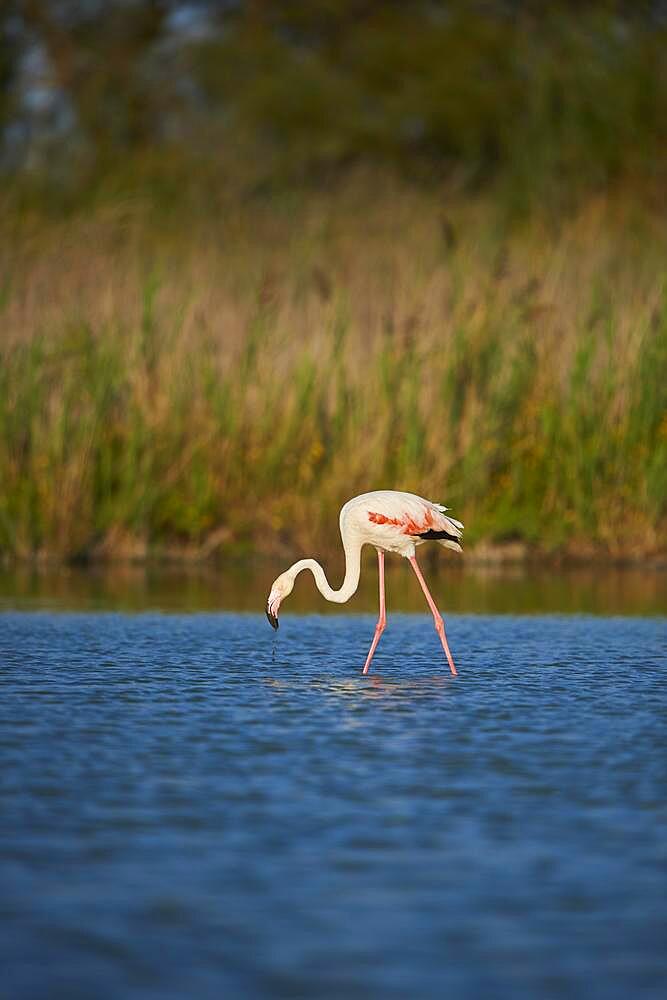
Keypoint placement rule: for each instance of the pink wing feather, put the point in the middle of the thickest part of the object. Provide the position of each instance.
(423, 517)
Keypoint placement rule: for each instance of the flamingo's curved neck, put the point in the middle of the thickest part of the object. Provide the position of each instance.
(352, 569)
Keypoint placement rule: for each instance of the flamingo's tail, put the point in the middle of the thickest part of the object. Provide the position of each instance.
(448, 532)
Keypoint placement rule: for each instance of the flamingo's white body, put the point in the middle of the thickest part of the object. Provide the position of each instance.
(392, 522)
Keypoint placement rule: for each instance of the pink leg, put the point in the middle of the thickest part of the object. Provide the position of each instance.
(382, 620)
(437, 617)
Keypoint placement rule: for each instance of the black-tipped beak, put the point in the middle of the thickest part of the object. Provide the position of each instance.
(273, 620)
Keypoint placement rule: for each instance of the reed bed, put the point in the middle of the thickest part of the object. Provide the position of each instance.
(222, 380)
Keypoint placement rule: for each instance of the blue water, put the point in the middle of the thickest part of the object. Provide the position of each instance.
(191, 807)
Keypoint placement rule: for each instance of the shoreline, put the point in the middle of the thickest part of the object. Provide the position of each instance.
(510, 555)
(241, 585)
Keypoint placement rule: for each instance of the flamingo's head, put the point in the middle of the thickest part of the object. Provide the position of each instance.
(280, 589)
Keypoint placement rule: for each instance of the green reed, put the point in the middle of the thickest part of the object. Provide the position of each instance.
(232, 393)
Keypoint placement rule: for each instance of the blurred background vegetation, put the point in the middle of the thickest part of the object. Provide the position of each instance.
(258, 257)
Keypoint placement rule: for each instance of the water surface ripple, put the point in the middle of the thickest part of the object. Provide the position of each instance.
(192, 807)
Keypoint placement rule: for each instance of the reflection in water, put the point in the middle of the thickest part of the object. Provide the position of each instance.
(459, 588)
(358, 688)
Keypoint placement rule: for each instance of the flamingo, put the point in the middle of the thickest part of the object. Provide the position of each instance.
(393, 522)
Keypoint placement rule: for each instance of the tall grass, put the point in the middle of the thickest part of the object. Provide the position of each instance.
(224, 383)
